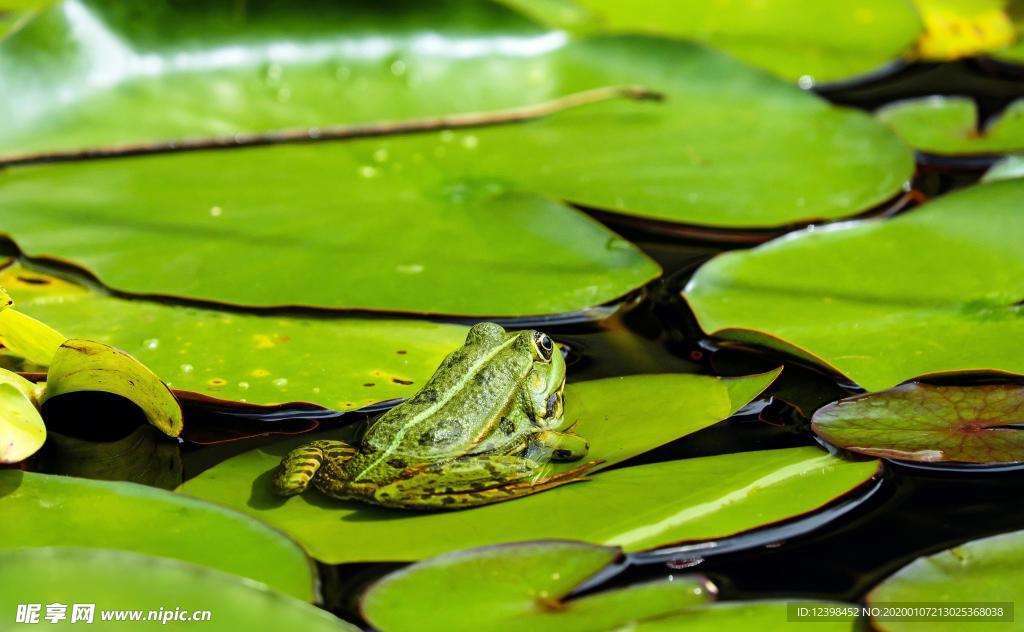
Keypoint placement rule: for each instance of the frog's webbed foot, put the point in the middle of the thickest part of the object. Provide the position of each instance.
(473, 481)
(299, 466)
(560, 446)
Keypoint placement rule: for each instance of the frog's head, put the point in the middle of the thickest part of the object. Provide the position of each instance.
(546, 381)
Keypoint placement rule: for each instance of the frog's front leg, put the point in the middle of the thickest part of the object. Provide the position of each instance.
(300, 465)
(472, 481)
(560, 446)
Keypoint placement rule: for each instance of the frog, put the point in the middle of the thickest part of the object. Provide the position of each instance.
(483, 429)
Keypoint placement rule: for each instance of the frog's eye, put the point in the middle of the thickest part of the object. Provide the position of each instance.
(545, 347)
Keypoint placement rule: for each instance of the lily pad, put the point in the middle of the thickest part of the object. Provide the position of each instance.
(22, 431)
(638, 508)
(922, 422)
(520, 586)
(206, 219)
(822, 41)
(979, 573)
(343, 363)
(84, 365)
(950, 126)
(131, 582)
(62, 511)
(654, 505)
(935, 290)
(963, 28)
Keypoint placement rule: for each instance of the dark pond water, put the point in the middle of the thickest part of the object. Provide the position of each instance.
(839, 553)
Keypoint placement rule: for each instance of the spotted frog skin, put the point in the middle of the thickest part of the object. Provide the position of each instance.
(480, 431)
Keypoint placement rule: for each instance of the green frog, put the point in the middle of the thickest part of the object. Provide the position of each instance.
(481, 430)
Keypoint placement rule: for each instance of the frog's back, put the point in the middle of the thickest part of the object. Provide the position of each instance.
(469, 393)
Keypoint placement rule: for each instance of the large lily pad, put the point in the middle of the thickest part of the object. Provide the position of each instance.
(48, 510)
(520, 587)
(131, 582)
(922, 422)
(199, 224)
(342, 363)
(950, 126)
(821, 41)
(935, 290)
(654, 505)
(980, 573)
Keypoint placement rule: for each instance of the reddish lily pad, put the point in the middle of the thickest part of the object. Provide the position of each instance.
(923, 422)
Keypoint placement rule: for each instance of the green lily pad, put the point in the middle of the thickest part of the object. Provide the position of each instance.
(935, 290)
(1006, 169)
(131, 582)
(22, 431)
(655, 505)
(825, 41)
(83, 365)
(979, 573)
(520, 586)
(764, 616)
(206, 220)
(343, 363)
(950, 126)
(922, 422)
(638, 508)
(48, 510)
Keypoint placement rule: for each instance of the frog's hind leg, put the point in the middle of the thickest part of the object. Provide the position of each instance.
(300, 465)
(474, 481)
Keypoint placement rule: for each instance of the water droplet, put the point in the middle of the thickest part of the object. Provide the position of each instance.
(284, 93)
(556, 576)
(187, 368)
(216, 211)
(398, 67)
(243, 385)
(447, 136)
(470, 142)
(151, 343)
(806, 82)
(381, 155)
(366, 171)
(280, 382)
(409, 268)
(342, 72)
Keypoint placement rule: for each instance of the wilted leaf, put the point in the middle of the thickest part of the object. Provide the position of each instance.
(26, 337)
(963, 28)
(84, 365)
(22, 432)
